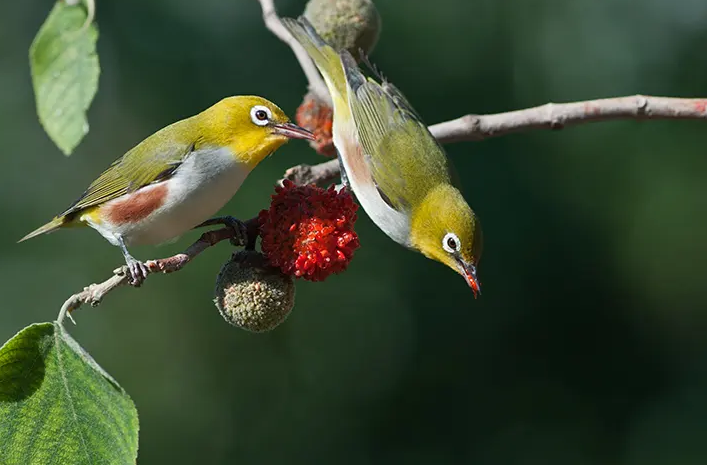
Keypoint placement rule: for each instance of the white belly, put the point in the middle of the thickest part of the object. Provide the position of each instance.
(392, 222)
(199, 188)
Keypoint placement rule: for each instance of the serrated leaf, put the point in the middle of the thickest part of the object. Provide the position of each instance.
(58, 406)
(65, 71)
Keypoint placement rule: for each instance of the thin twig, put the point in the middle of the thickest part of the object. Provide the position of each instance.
(94, 293)
(322, 174)
(548, 116)
(560, 115)
(273, 23)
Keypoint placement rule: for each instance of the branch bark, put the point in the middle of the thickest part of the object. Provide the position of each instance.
(94, 293)
(560, 115)
(273, 23)
(549, 116)
(322, 174)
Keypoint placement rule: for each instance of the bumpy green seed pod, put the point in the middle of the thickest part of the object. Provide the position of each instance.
(252, 295)
(346, 24)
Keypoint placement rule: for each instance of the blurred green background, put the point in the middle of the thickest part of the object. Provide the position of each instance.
(588, 345)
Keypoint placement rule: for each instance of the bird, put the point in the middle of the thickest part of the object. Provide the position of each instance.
(178, 177)
(398, 171)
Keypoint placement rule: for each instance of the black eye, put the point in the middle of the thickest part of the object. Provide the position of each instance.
(451, 243)
(261, 115)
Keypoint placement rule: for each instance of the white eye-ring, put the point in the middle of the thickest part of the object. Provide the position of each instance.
(260, 115)
(451, 243)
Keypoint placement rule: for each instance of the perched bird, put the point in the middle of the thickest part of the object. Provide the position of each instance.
(397, 169)
(179, 176)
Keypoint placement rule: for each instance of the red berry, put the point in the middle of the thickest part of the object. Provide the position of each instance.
(309, 231)
(317, 117)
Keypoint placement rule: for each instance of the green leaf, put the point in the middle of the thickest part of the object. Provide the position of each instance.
(58, 406)
(65, 73)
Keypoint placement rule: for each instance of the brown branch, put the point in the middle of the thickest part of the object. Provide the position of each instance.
(322, 174)
(94, 293)
(273, 23)
(548, 116)
(560, 115)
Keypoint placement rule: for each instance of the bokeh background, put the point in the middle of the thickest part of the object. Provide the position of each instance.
(588, 345)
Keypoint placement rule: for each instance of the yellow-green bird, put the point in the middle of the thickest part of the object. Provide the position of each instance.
(397, 169)
(179, 176)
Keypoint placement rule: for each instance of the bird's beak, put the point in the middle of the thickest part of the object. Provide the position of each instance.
(292, 131)
(468, 270)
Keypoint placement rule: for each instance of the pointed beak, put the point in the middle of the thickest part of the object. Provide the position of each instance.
(292, 131)
(468, 270)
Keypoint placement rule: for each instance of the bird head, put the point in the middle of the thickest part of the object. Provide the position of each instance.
(252, 127)
(444, 228)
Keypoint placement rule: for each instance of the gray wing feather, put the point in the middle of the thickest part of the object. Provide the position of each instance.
(396, 144)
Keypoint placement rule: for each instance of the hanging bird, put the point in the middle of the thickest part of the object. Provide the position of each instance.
(397, 169)
(179, 176)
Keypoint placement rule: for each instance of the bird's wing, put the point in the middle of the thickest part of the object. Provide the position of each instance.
(393, 92)
(129, 173)
(404, 158)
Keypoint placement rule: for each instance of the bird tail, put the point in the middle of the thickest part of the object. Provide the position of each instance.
(352, 73)
(53, 225)
(324, 56)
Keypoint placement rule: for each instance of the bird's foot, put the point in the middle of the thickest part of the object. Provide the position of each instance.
(240, 228)
(137, 272)
(240, 231)
(342, 174)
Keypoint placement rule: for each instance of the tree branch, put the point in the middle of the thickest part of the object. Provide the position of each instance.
(548, 116)
(560, 115)
(273, 23)
(322, 174)
(94, 293)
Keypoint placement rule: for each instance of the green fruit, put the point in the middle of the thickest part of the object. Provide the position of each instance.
(346, 24)
(252, 295)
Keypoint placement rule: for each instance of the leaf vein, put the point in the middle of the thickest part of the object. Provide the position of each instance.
(60, 362)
